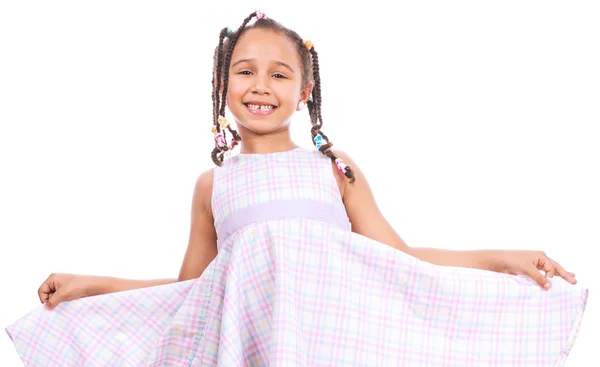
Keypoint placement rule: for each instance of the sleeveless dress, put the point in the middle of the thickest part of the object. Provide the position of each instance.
(292, 285)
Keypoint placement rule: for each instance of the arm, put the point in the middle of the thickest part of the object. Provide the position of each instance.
(202, 243)
(201, 249)
(367, 220)
(104, 285)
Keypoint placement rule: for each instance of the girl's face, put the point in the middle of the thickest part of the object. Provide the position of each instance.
(265, 82)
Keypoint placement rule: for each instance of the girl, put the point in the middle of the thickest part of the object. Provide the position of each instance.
(290, 262)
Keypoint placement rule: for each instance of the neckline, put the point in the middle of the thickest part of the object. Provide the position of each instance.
(269, 154)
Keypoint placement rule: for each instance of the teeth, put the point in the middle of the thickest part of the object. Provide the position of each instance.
(262, 108)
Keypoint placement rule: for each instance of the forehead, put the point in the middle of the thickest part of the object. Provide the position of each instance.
(265, 45)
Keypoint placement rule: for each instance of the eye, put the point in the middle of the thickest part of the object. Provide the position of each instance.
(279, 76)
(245, 72)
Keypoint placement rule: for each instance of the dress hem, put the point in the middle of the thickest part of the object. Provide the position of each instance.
(560, 362)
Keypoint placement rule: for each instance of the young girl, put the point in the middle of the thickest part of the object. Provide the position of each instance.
(290, 262)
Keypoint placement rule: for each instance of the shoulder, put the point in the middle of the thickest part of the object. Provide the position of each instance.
(203, 190)
(205, 179)
(344, 156)
(346, 187)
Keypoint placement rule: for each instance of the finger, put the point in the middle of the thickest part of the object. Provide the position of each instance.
(535, 274)
(43, 292)
(56, 298)
(548, 267)
(46, 289)
(569, 277)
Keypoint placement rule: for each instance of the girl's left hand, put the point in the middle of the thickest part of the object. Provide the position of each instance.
(530, 263)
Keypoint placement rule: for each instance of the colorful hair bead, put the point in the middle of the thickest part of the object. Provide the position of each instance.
(309, 45)
(340, 165)
(223, 122)
(318, 141)
(310, 99)
(220, 140)
(260, 15)
(229, 31)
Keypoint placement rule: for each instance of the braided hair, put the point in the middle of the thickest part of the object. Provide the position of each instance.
(309, 61)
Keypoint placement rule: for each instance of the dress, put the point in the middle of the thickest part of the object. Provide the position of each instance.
(293, 286)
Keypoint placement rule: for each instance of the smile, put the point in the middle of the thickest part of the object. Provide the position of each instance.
(260, 109)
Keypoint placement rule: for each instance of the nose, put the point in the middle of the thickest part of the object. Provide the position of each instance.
(261, 85)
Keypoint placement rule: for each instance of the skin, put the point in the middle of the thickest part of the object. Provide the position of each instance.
(265, 68)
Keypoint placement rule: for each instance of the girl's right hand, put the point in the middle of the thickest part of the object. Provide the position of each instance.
(64, 287)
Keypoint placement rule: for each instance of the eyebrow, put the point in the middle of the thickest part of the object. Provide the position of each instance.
(280, 63)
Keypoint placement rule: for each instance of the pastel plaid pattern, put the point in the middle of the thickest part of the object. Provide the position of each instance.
(306, 291)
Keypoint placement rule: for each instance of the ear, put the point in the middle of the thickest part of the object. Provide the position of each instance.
(305, 93)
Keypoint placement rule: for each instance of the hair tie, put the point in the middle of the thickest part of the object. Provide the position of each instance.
(318, 141)
(220, 140)
(220, 136)
(340, 165)
(223, 122)
(229, 31)
(260, 15)
(309, 45)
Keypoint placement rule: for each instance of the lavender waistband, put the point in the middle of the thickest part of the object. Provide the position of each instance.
(282, 209)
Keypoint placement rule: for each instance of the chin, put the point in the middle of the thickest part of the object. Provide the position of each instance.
(261, 125)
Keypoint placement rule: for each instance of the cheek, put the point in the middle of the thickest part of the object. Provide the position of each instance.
(236, 89)
(290, 92)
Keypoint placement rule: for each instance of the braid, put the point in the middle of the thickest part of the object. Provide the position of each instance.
(220, 102)
(217, 153)
(217, 77)
(316, 118)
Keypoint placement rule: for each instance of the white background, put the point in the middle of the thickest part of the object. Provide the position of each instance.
(486, 113)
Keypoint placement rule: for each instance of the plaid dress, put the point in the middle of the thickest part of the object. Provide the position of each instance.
(292, 285)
